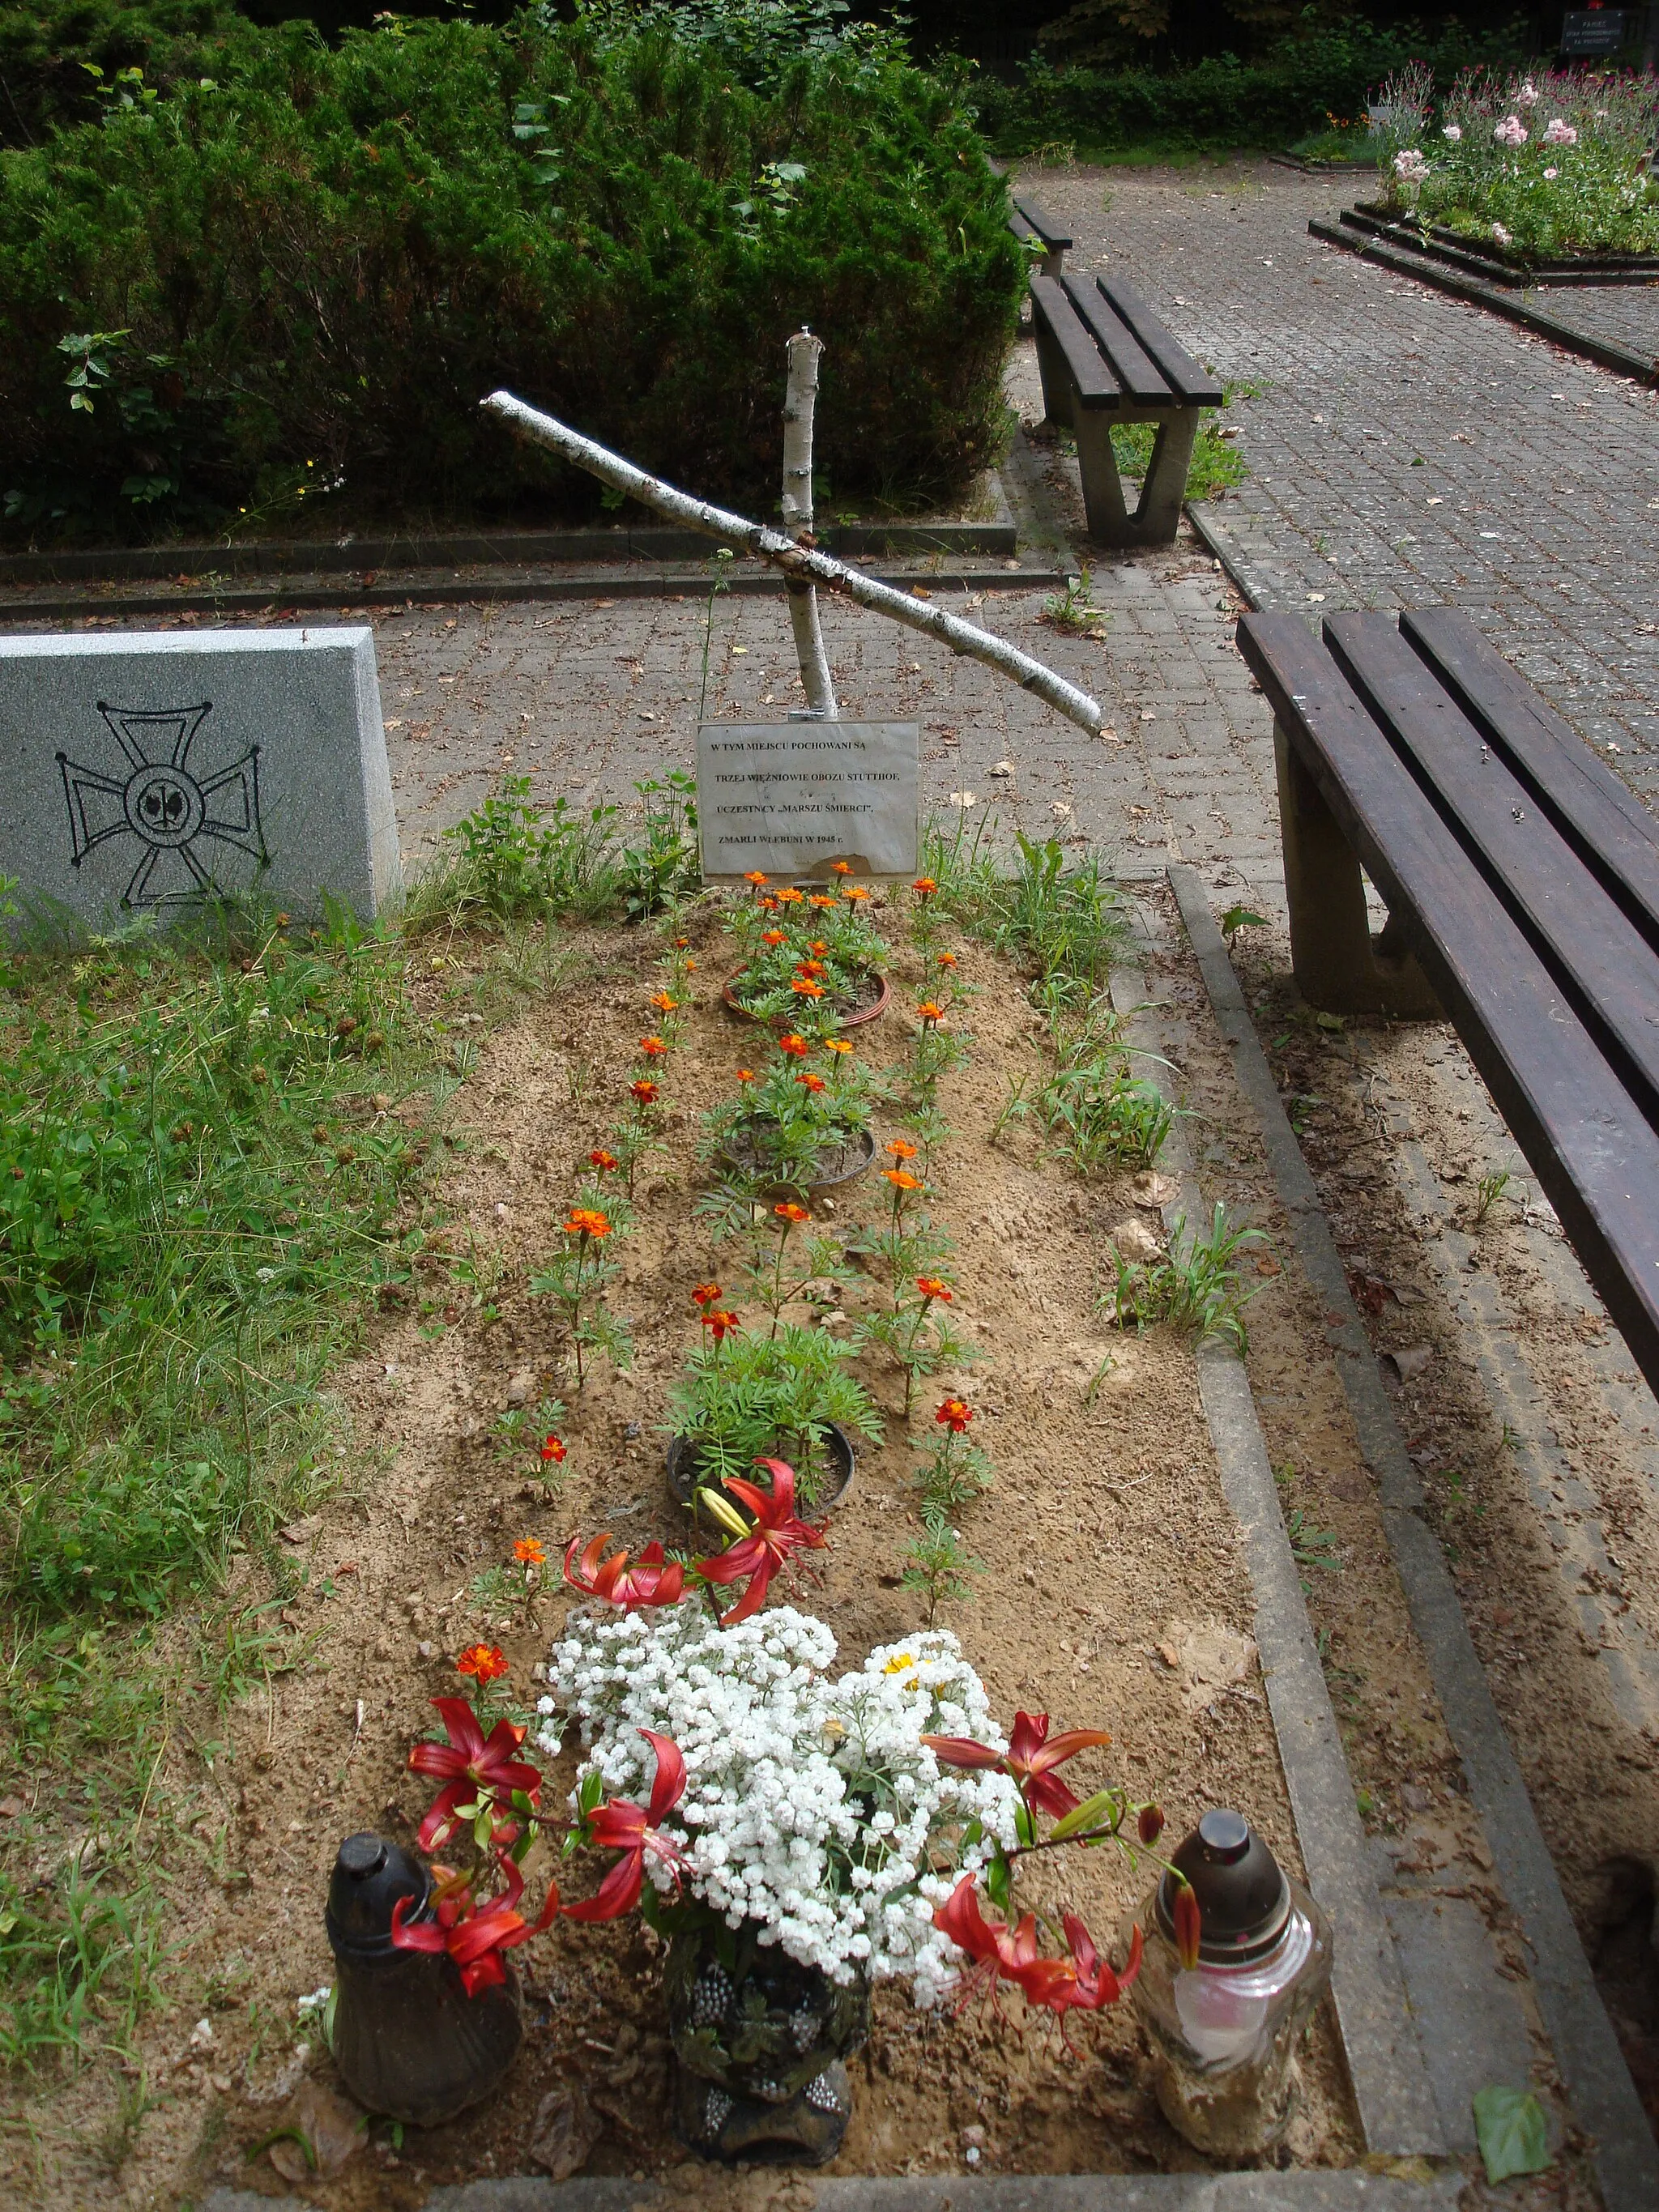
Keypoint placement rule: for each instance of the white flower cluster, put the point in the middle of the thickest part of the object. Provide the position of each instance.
(812, 1806)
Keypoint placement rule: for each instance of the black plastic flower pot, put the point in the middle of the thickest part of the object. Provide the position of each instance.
(835, 1472)
(843, 1161)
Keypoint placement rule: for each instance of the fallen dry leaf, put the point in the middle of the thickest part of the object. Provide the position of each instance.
(333, 2127)
(567, 2129)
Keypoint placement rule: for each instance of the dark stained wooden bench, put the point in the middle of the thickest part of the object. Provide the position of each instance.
(1521, 882)
(1032, 224)
(1105, 358)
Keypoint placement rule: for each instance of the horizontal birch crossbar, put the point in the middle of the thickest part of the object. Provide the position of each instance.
(804, 562)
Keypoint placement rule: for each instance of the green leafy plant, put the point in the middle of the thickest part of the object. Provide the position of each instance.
(1073, 609)
(917, 1334)
(576, 1280)
(1195, 1285)
(938, 1565)
(955, 1472)
(752, 1396)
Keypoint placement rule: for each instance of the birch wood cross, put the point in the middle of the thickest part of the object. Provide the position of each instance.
(805, 564)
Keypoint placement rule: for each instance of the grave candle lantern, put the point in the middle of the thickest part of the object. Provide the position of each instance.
(408, 2040)
(1223, 2029)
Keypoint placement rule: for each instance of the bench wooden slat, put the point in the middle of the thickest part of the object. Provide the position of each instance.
(1130, 364)
(1041, 223)
(1596, 1157)
(1096, 385)
(1601, 819)
(1606, 967)
(1184, 374)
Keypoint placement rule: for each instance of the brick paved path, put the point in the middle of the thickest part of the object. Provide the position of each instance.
(1408, 449)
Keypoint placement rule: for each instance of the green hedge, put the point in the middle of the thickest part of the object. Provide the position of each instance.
(1223, 101)
(306, 274)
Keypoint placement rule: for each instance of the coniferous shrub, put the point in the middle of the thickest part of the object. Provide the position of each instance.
(305, 274)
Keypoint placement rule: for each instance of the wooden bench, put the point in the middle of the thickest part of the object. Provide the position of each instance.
(1521, 882)
(1105, 358)
(1029, 221)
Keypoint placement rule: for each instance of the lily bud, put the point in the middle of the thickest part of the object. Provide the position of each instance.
(1188, 1925)
(1149, 1823)
(722, 1511)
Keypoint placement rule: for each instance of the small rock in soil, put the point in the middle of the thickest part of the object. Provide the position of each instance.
(521, 1388)
(330, 2124)
(567, 2129)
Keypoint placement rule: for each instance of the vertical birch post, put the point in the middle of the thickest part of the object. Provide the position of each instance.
(799, 401)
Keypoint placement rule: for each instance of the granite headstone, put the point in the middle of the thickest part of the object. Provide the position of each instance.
(791, 798)
(142, 770)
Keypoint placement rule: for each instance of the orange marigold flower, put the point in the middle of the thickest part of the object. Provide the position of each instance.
(929, 1012)
(823, 903)
(482, 1660)
(644, 1091)
(789, 898)
(652, 1047)
(553, 1448)
(720, 1323)
(587, 1221)
(793, 1045)
(602, 1160)
(804, 988)
(954, 1414)
(769, 904)
(840, 867)
(791, 1213)
(900, 1180)
(902, 1149)
(853, 891)
(756, 877)
(680, 944)
(818, 945)
(690, 966)
(810, 1082)
(924, 887)
(528, 1554)
(946, 959)
(815, 969)
(774, 936)
(706, 1294)
(745, 1075)
(933, 1286)
(663, 1003)
(836, 1044)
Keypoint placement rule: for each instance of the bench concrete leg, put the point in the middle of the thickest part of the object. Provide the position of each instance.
(1056, 384)
(1165, 490)
(1110, 521)
(1339, 967)
(1157, 514)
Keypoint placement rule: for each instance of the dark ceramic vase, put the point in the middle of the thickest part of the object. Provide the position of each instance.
(408, 2040)
(761, 2044)
(840, 1463)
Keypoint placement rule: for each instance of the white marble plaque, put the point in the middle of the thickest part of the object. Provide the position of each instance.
(790, 798)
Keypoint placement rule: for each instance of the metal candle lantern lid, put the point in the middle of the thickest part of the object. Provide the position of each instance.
(1244, 1898)
(369, 1877)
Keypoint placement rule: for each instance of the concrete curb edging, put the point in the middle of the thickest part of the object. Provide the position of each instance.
(1592, 2065)
(1385, 2060)
(1606, 353)
(493, 587)
(1311, 2189)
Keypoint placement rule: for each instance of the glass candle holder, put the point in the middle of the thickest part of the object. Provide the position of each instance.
(1223, 2032)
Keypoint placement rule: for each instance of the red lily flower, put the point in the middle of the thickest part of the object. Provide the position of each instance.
(998, 1952)
(777, 1532)
(620, 1826)
(475, 1939)
(1030, 1759)
(470, 1766)
(652, 1580)
(1189, 1925)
